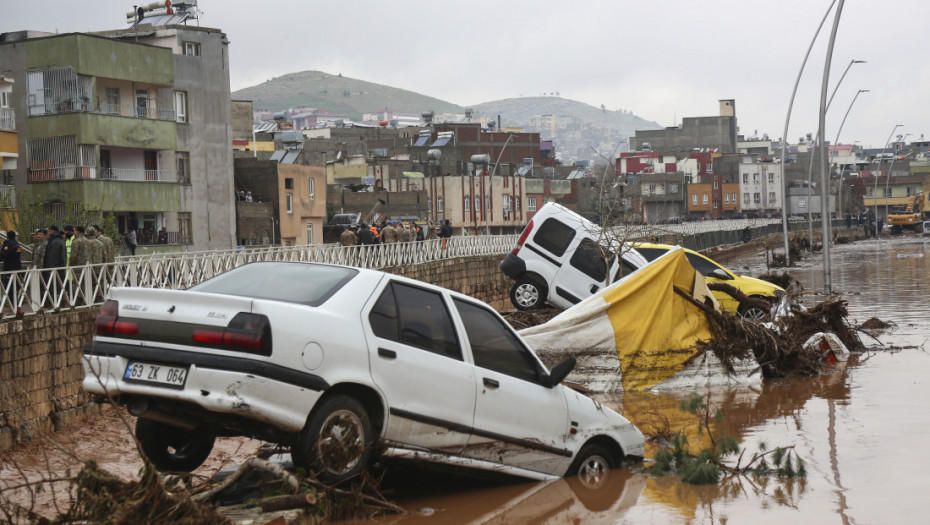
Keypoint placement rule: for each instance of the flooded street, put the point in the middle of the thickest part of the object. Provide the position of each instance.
(860, 431)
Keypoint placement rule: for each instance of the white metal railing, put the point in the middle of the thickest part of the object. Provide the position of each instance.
(132, 174)
(32, 291)
(7, 119)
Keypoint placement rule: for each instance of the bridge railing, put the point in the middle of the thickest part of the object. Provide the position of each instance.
(27, 292)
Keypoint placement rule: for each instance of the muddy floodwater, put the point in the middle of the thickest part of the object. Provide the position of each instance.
(863, 431)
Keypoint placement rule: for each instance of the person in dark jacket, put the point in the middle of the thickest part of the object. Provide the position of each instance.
(56, 259)
(364, 235)
(10, 254)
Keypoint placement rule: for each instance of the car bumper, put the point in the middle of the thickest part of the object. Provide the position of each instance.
(218, 384)
(513, 266)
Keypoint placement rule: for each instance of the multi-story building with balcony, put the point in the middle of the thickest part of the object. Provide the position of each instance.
(134, 123)
(9, 155)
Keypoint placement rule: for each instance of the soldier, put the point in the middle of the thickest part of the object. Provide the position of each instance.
(109, 250)
(348, 236)
(79, 249)
(95, 246)
(38, 248)
(389, 234)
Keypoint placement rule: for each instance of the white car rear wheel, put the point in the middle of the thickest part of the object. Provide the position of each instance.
(336, 442)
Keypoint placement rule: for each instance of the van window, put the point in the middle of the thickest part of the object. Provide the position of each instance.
(589, 260)
(624, 269)
(554, 236)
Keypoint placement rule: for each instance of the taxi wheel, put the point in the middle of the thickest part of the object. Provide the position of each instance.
(336, 442)
(753, 312)
(528, 294)
(171, 448)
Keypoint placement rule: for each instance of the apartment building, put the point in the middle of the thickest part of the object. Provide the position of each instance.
(132, 122)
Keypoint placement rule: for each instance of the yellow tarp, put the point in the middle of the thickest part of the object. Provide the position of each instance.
(651, 328)
(654, 327)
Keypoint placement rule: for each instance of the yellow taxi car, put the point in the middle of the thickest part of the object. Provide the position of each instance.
(715, 273)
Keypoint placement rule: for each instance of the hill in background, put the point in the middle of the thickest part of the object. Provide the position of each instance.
(583, 131)
(342, 95)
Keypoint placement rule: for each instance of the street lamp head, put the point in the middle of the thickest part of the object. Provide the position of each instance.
(864, 91)
(858, 61)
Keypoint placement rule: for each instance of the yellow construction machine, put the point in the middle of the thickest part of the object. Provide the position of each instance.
(911, 219)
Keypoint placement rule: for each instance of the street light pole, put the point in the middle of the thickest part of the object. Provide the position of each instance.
(784, 137)
(824, 200)
(894, 156)
(839, 192)
(875, 185)
(824, 182)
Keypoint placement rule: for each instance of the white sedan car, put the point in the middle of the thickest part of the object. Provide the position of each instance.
(332, 360)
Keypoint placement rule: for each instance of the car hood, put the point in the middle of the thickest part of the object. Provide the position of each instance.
(760, 284)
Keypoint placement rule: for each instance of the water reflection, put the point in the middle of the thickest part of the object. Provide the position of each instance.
(860, 429)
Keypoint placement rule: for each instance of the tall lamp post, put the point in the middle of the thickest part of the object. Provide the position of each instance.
(839, 191)
(875, 185)
(894, 157)
(784, 137)
(824, 181)
(824, 199)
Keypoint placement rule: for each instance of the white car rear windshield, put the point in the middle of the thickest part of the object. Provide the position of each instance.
(310, 284)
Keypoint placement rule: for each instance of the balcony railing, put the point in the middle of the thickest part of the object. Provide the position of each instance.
(85, 173)
(68, 106)
(128, 174)
(7, 119)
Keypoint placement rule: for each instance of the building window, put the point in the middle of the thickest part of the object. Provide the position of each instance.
(4, 100)
(184, 167)
(652, 189)
(467, 202)
(505, 202)
(673, 188)
(290, 203)
(704, 200)
(746, 198)
(772, 197)
(716, 185)
(112, 101)
(755, 178)
(439, 203)
(726, 198)
(184, 227)
(487, 202)
(288, 184)
(192, 49)
(716, 204)
(477, 203)
(180, 106)
(312, 188)
(531, 204)
(746, 178)
(733, 198)
(694, 199)
(772, 177)
(757, 198)
(309, 234)
(516, 202)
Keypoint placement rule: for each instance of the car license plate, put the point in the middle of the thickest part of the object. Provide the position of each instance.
(173, 376)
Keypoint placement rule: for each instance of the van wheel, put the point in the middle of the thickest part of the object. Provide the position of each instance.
(527, 294)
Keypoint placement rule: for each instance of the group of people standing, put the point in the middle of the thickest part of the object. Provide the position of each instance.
(388, 232)
(72, 246)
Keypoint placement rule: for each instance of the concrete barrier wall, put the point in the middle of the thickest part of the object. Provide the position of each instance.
(40, 356)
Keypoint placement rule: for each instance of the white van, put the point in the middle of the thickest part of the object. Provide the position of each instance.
(560, 259)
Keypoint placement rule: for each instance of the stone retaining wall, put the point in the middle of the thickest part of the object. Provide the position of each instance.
(40, 355)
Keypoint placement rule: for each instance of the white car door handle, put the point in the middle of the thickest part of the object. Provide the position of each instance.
(389, 354)
(493, 383)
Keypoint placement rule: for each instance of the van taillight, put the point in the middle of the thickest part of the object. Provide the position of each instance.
(523, 236)
(108, 323)
(245, 331)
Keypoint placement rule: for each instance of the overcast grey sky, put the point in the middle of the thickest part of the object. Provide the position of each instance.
(661, 59)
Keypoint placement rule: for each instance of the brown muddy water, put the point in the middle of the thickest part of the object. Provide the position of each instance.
(862, 431)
